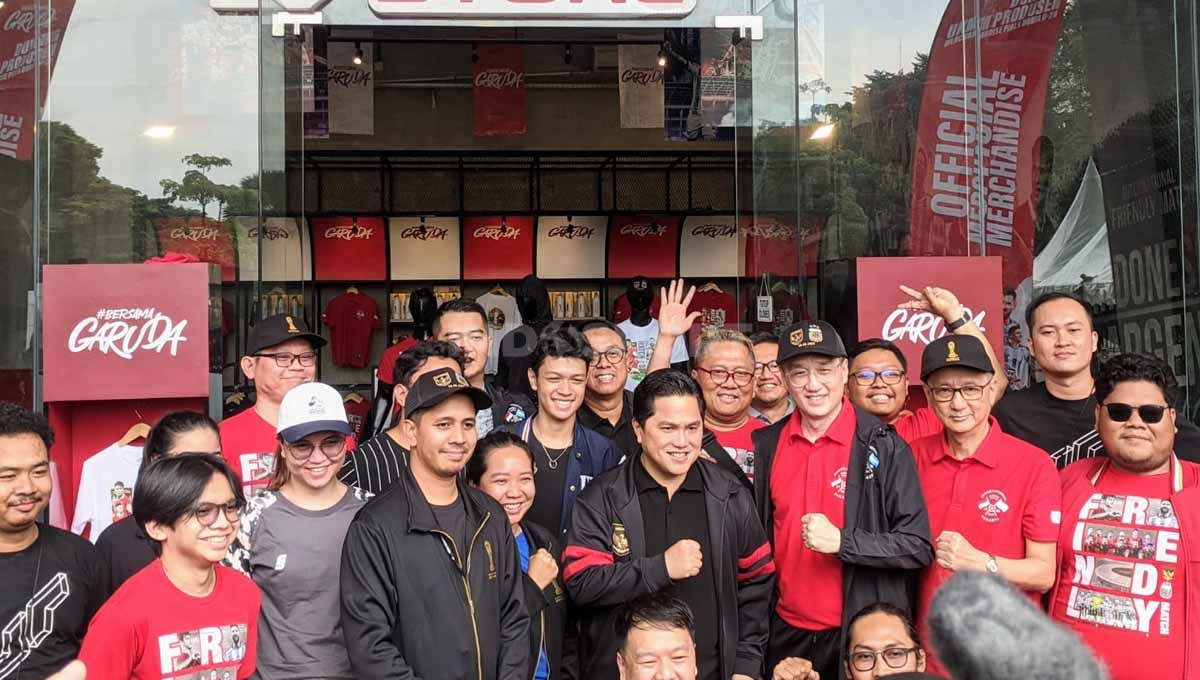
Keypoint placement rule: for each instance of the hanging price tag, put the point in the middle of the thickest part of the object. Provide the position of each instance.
(766, 308)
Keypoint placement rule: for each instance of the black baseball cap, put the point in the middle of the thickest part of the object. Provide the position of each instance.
(278, 329)
(810, 337)
(437, 386)
(964, 351)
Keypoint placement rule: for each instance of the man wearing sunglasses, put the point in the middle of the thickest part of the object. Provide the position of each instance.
(838, 493)
(1145, 624)
(281, 353)
(994, 501)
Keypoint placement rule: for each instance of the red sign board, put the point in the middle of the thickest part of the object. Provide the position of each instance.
(974, 280)
(497, 247)
(125, 331)
(209, 240)
(499, 95)
(643, 245)
(349, 249)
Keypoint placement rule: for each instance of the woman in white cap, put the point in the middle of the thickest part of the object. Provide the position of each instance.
(290, 539)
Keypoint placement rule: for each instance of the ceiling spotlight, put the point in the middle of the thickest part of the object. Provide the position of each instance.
(474, 53)
(358, 53)
(662, 56)
(566, 54)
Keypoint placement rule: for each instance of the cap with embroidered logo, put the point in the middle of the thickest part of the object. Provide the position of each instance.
(810, 337)
(437, 386)
(308, 408)
(965, 351)
(278, 329)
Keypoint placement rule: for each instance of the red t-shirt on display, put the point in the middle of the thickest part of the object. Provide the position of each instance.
(1005, 494)
(1121, 579)
(387, 361)
(717, 310)
(150, 630)
(918, 424)
(739, 444)
(352, 319)
(809, 478)
(357, 413)
(249, 445)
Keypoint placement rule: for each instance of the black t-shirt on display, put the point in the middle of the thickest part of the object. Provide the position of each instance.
(550, 479)
(126, 550)
(1066, 428)
(452, 519)
(666, 522)
(59, 581)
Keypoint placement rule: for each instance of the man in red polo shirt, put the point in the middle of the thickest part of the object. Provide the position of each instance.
(994, 501)
(839, 494)
(1139, 610)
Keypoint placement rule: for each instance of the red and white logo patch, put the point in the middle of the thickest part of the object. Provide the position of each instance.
(839, 483)
(993, 504)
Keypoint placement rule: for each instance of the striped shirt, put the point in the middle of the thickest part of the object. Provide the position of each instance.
(375, 464)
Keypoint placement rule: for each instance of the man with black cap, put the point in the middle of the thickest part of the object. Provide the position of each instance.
(994, 501)
(839, 495)
(281, 352)
(430, 583)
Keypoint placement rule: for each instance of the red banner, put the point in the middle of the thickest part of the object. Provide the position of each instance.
(349, 249)
(500, 91)
(774, 246)
(975, 280)
(125, 331)
(643, 245)
(20, 63)
(975, 169)
(497, 248)
(209, 240)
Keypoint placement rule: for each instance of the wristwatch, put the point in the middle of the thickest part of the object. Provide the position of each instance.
(962, 321)
(993, 567)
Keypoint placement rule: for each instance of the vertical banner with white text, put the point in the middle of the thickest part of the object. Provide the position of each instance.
(500, 91)
(21, 57)
(975, 168)
(641, 86)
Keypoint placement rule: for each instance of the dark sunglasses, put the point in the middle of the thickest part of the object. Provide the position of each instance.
(1149, 413)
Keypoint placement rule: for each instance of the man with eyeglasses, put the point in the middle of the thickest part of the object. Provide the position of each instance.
(879, 372)
(771, 401)
(607, 406)
(1140, 616)
(724, 368)
(839, 494)
(994, 501)
(281, 353)
(881, 641)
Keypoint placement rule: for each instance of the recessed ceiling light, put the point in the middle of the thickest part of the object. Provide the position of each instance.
(159, 132)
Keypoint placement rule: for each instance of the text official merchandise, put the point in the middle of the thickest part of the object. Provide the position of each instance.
(106, 489)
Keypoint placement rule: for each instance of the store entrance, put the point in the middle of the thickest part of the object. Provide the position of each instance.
(461, 159)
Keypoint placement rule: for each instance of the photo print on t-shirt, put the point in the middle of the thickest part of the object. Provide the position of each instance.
(122, 501)
(209, 647)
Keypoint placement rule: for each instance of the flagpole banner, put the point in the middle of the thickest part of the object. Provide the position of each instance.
(975, 168)
(681, 86)
(351, 90)
(500, 91)
(19, 64)
(641, 86)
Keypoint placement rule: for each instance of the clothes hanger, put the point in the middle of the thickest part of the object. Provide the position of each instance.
(352, 290)
(353, 397)
(710, 286)
(139, 430)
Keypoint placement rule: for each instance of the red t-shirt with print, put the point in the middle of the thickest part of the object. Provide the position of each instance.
(1121, 579)
(810, 477)
(352, 319)
(739, 444)
(151, 630)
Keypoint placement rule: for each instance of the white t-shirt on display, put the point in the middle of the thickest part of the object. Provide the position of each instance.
(502, 317)
(106, 489)
(643, 339)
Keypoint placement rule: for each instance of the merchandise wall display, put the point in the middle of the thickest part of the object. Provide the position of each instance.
(642, 340)
(497, 248)
(352, 318)
(424, 248)
(286, 250)
(571, 247)
(502, 316)
(643, 245)
(209, 240)
(349, 249)
(106, 489)
(576, 304)
(774, 246)
(710, 247)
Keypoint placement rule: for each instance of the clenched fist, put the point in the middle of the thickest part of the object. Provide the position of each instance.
(956, 553)
(684, 559)
(820, 534)
(542, 568)
(793, 668)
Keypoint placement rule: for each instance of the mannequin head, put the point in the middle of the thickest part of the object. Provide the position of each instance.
(423, 306)
(640, 294)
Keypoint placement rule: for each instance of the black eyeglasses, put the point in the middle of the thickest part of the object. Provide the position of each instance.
(286, 359)
(772, 366)
(207, 513)
(1149, 413)
(615, 356)
(304, 449)
(894, 657)
(943, 394)
(890, 376)
(720, 376)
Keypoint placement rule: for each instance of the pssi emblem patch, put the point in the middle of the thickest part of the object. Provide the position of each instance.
(620, 541)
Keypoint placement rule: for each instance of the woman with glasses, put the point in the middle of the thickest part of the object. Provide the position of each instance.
(290, 541)
(181, 614)
(125, 547)
(881, 641)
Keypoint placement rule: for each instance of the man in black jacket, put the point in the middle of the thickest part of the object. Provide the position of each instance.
(664, 522)
(431, 587)
(839, 494)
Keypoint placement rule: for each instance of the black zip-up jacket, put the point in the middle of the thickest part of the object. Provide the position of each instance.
(605, 565)
(885, 531)
(415, 605)
(547, 607)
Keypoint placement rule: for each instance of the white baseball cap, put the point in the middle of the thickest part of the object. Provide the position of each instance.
(308, 408)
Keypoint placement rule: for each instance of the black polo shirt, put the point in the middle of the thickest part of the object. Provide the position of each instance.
(667, 522)
(622, 434)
